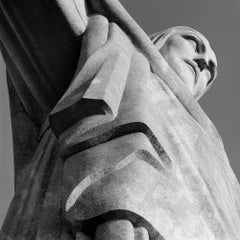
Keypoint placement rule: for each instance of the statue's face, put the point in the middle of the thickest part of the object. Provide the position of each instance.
(190, 55)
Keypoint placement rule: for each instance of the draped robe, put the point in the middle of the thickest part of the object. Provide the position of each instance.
(123, 98)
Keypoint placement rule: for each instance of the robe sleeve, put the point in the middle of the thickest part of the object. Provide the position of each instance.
(97, 88)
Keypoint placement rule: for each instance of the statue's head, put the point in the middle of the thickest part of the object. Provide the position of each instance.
(190, 55)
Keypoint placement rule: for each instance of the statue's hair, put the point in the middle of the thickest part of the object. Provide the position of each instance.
(160, 37)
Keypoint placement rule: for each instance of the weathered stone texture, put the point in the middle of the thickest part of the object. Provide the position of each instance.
(110, 141)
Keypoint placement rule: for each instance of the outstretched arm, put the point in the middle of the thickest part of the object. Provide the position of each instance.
(115, 12)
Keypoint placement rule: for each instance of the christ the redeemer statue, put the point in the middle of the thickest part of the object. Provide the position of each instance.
(109, 139)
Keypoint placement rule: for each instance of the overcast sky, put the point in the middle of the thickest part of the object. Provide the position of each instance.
(219, 21)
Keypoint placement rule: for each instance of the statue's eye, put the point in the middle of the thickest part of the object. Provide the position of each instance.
(195, 41)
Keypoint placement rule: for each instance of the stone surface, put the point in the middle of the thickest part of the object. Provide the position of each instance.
(141, 234)
(124, 149)
(119, 230)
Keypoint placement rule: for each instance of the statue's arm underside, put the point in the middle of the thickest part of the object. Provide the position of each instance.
(41, 48)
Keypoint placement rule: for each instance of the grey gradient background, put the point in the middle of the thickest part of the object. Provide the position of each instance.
(219, 21)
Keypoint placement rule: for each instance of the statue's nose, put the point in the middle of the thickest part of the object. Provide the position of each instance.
(209, 65)
(202, 64)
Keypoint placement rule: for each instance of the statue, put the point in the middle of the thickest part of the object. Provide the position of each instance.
(124, 150)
